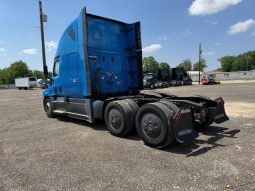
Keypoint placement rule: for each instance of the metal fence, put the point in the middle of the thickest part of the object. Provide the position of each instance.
(8, 86)
(240, 75)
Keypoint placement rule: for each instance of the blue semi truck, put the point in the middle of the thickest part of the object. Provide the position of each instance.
(97, 74)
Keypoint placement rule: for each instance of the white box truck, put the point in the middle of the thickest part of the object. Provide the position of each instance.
(25, 83)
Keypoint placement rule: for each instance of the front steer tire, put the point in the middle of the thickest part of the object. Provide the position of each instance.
(49, 108)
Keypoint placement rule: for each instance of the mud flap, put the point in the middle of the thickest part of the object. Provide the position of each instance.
(183, 128)
(220, 114)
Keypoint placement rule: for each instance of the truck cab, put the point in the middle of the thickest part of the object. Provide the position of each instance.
(96, 58)
(150, 80)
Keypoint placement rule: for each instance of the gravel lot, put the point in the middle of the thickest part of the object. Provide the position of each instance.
(38, 153)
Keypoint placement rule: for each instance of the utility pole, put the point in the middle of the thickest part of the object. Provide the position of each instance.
(43, 18)
(199, 65)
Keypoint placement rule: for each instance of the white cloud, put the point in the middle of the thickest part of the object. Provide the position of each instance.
(208, 7)
(3, 52)
(209, 53)
(152, 48)
(214, 23)
(30, 51)
(241, 26)
(51, 45)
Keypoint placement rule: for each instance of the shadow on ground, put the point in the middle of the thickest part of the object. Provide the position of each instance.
(199, 146)
(193, 148)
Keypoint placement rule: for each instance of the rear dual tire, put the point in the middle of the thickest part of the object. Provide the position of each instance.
(154, 125)
(120, 117)
(154, 121)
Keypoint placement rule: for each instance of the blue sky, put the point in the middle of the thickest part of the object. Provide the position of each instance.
(171, 29)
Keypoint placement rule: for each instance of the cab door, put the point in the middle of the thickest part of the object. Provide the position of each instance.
(72, 82)
(56, 83)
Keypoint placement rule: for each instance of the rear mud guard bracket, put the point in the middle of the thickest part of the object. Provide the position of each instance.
(183, 125)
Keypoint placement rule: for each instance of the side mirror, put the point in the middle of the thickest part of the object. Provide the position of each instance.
(50, 81)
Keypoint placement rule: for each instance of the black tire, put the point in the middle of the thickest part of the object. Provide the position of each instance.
(153, 124)
(133, 105)
(49, 108)
(152, 86)
(119, 119)
(170, 105)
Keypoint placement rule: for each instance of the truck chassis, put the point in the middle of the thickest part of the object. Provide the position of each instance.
(158, 118)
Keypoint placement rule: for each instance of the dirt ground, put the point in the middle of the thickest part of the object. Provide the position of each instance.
(38, 153)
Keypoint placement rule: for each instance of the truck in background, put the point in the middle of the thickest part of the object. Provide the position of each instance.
(180, 77)
(161, 79)
(97, 74)
(26, 83)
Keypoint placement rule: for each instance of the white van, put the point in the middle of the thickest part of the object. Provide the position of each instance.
(26, 83)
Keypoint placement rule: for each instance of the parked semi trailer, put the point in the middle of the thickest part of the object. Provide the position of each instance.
(97, 74)
(26, 83)
(160, 79)
(180, 77)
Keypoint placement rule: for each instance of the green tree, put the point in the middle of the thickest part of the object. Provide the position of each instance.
(17, 69)
(164, 65)
(1, 76)
(186, 64)
(227, 63)
(6, 76)
(200, 66)
(239, 63)
(150, 64)
(38, 74)
(244, 61)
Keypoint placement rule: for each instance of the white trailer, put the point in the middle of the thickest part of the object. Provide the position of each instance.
(194, 75)
(26, 83)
